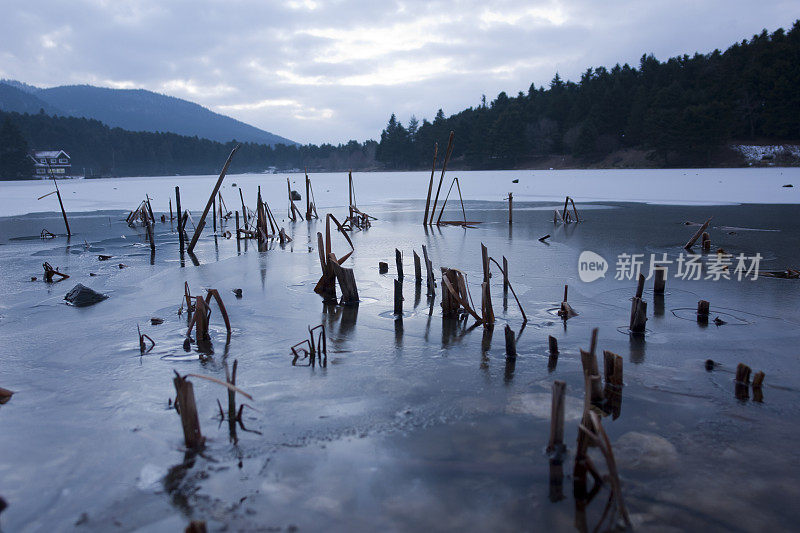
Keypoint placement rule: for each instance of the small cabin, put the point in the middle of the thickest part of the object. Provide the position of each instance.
(47, 161)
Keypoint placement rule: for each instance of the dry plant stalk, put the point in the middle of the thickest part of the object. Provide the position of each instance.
(456, 295)
(49, 272)
(566, 311)
(326, 286)
(203, 312)
(638, 319)
(430, 184)
(57, 192)
(698, 234)
(143, 348)
(441, 177)
(591, 371)
(440, 222)
(356, 218)
(507, 281)
(202, 222)
(316, 348)
(431, 281)
(598, 436)
(188, 297)
(294, 212)
(311, 203)
(186, 407)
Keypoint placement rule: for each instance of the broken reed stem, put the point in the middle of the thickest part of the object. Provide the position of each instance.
(705, 243)
(398, 259)
(308, 197)
(702, 311)
(450, 303)
(485, 262)
(199, 320)
(347, 283)
(202, 222)
(461, 199)
(294, 212)
(591, 372)
(224, 312)
(63, 213)
(398, 298)
(552, 345)
(430, 183)
(417, 269)
(660, 281)
(143, 349)
(455, 295)
(638, 309)
(214, 214)
(220, 382)
(180, 216)
(556, 444)
(743, 373)
(244, 209)
(185, 402)
(574, 209)
(351, 192)
(463, 211)
(149, 207)
(429, 271)
(60, 202)
(150, 234)
(326, 286)
(505, 275)
(49, 272)
(510, 286)
(441, 178)
(232, 393)
(510, 207)
(697, 235)
(612, 366)
(640, 286)
(487, 312)
(601, 440)
(511, 342)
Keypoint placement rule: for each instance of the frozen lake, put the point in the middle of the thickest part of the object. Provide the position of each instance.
(680, 186)
(419, 423)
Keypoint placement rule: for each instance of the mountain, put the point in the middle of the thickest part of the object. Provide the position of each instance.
(134, 110)
(14, 98)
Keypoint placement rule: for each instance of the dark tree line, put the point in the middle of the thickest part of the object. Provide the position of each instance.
(105, 151)
(14, 160)
(681, 110)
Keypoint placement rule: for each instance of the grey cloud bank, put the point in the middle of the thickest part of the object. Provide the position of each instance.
(319, 72)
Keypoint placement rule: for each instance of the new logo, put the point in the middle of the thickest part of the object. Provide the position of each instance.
(591, 266)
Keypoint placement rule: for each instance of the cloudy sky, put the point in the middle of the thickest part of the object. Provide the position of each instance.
(329, 71)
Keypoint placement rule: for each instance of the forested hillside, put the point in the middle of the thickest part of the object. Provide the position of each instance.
(101, 150)
(681, 110)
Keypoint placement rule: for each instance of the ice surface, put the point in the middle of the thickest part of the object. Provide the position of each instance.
(679, 186)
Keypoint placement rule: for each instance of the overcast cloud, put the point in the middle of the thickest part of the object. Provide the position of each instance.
(317, 71)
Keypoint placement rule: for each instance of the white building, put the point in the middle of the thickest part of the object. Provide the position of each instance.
(45, 161)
